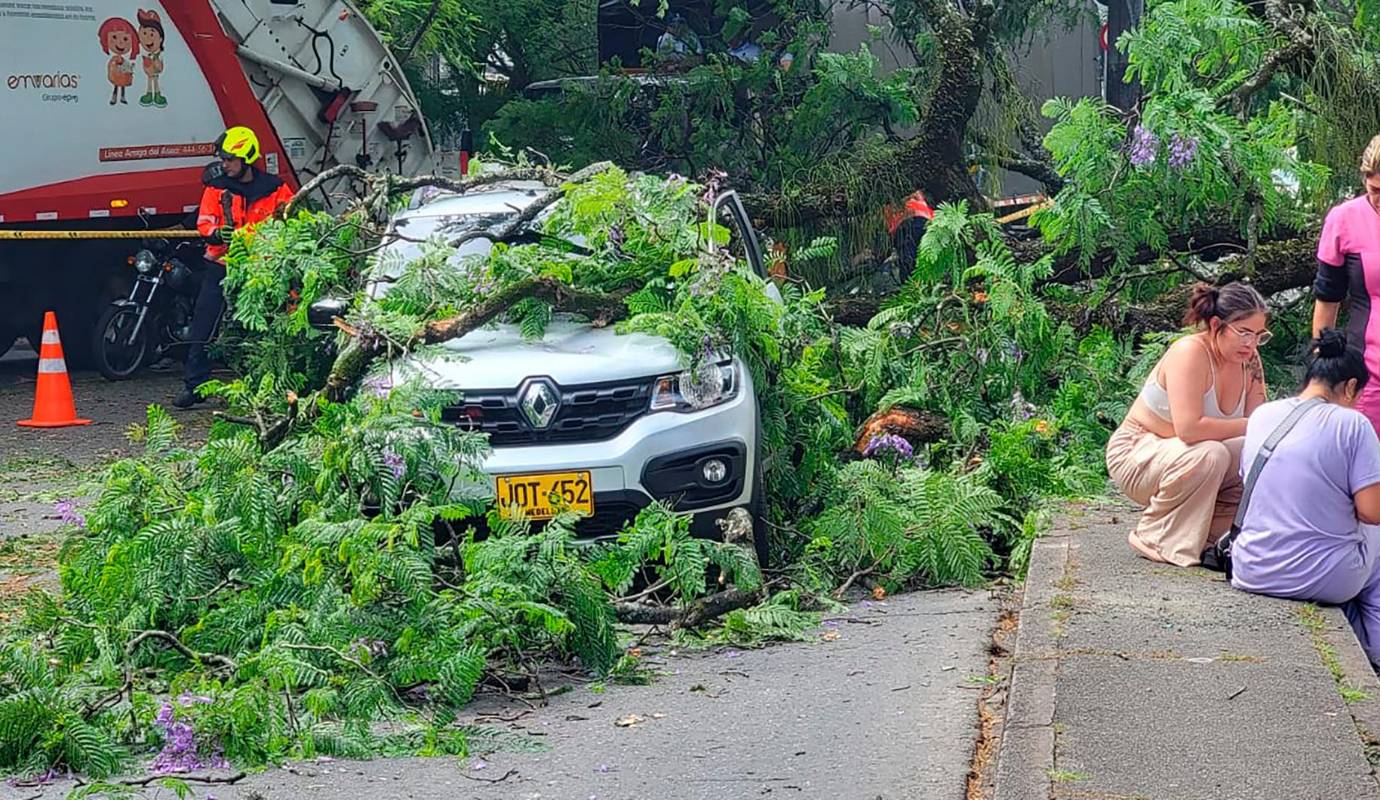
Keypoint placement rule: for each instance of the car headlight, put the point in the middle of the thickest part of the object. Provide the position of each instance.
(145, 262)
(698, 388)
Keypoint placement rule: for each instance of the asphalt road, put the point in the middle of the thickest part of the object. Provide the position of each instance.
(882, 705)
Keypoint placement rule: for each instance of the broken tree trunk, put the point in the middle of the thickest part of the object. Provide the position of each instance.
(914, 425)
(362, 349)
(691, 616)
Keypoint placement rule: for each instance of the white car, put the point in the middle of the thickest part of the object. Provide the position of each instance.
(610, 422)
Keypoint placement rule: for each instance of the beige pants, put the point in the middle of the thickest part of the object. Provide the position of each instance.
(1189, 491)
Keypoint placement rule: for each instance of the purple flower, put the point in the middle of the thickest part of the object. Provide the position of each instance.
(189, 699)
(888, 443)
(395, 464)
(378, 385)
(1144, 146)
(179, 753)
(66, 511)
(1181, 150)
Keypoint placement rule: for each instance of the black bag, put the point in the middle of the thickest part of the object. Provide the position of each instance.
(1218, 556)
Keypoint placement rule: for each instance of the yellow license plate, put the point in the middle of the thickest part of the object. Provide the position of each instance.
(541, 497)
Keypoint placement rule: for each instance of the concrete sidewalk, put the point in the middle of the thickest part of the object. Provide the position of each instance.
(1139, 680)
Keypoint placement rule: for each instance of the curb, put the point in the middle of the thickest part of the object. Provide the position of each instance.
(1026, 752)
(1028, 743)
(1357, 673)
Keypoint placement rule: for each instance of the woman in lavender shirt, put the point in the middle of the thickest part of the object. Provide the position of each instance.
(1310, 530)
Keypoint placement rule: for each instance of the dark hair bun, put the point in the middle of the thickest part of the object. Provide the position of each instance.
(1228, 303)
(1202, 304)
(1331, 343)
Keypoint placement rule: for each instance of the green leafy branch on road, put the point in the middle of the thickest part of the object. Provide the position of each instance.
(313, 579)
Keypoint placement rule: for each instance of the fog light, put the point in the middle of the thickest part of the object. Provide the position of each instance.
(714, 471)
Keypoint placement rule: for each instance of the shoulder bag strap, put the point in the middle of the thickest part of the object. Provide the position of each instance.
(1266, 450)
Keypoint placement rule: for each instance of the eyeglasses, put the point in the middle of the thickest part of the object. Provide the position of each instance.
(1251, 337)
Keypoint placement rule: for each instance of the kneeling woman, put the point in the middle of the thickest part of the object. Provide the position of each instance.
(1178, 451)
(1307, 532)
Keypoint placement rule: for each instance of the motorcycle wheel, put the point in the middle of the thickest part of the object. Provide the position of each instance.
(116, 356)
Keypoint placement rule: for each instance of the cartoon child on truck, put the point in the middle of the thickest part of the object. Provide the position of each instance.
(151, 38)
(120, 41)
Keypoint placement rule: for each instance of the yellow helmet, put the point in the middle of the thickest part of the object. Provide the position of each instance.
(238, 142)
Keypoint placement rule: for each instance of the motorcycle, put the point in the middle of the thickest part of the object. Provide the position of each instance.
(156, 318)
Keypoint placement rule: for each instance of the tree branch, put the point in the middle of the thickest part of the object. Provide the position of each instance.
(421, 32)
(208, 659)
(1298, 42)
(691, 616)
(356, 356)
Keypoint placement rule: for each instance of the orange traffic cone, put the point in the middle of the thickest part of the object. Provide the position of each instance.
(53, 404)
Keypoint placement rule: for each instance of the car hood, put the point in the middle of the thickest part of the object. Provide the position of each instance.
(571, 353)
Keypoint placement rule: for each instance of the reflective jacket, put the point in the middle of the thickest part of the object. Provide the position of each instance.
(243, 204)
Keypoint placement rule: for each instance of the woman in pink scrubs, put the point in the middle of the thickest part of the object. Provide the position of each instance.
(1349, 269)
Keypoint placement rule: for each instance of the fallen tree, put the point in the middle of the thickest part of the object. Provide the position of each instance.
(311, 516)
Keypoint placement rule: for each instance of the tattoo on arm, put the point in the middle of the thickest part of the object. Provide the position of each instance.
(1257, 372)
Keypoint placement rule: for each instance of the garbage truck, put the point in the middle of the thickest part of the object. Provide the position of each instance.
(110, 113)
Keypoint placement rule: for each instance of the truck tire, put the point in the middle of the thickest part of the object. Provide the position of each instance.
(113, 354)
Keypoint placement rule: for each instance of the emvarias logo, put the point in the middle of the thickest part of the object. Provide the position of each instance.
(52, 80)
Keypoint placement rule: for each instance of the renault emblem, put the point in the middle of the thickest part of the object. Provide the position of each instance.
(539, 402)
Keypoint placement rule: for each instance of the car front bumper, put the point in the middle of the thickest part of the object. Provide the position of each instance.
(657, 457)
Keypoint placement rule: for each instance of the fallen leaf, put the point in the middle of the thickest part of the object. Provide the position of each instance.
(635, 652)
(878, 593)
(628, 721)
(829, 636)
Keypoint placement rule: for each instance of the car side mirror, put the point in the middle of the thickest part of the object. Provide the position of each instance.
(322, 313)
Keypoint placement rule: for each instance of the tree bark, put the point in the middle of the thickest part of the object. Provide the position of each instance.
(355, 357)
(934, 159)
(691, 616)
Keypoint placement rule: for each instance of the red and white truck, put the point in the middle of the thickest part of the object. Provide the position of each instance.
(108, 112)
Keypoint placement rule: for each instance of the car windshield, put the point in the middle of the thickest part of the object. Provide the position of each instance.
(413, 232)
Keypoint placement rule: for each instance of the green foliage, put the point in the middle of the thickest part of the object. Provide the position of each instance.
(661, 540)
(272, 277)
(305, 587)
(780, 618)
(1128, 190)
(903, 525)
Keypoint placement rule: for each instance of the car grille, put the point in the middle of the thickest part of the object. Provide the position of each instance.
(609, 518)
(588, 413)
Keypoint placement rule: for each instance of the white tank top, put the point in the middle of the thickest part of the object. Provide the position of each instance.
(1157, 399)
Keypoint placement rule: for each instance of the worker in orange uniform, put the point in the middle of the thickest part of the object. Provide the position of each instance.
(238, 198)
(906, 226)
